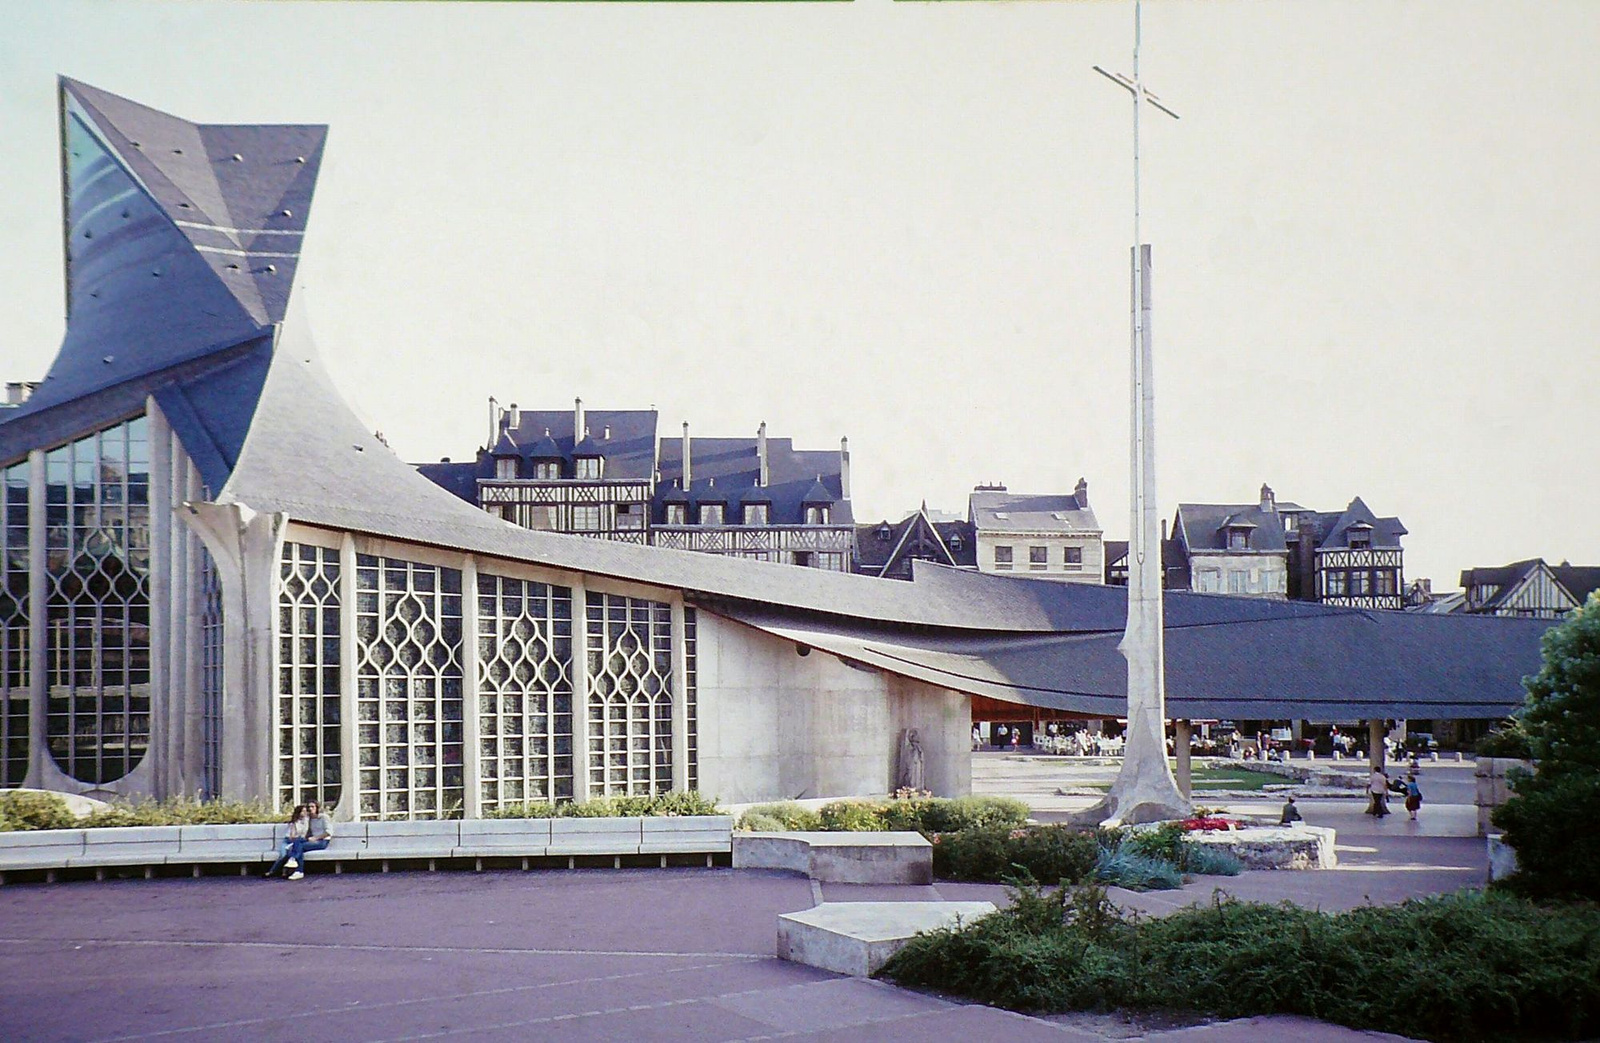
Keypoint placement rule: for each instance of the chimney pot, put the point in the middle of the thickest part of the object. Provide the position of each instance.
(688, 465)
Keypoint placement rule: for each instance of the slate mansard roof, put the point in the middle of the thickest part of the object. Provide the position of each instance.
(728, 470)
(226, 354)
(995, 510)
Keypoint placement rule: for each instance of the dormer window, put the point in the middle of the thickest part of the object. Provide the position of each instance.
(711, 514)
(755, 514)
(677, 514)
(505, 467)
(817, 514)
(884, 533)
(955, 541)
(1238, 539)
(547, 470)
(1360, 538)
(588, 467)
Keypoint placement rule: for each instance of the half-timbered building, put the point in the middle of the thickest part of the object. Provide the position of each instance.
(1531, 588)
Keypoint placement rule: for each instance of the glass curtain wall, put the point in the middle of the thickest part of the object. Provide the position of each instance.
(97, 539)
(630, 696)
(524, 691)
(309, 661)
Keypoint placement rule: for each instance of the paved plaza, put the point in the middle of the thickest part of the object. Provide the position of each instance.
(632, 954)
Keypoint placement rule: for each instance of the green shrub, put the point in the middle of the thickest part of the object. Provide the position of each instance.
(1124, 865)
(1164, 843)
(852, 816)
(180, 811)
(1205, 860)
(1466, 966)
(1052, 853)
(33, 810)
(780, 818)
(1547, 818)
(938, 815)
(662, 805)
(530, 809)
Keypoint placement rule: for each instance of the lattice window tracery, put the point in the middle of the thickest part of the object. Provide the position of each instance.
(630, 696)
(691, 694)
(97, 540)
(409, 692)
(524, 667)
(309, 659)
(15, 680)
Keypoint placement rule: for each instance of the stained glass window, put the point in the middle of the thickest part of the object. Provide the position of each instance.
(630, 696)
(524, 691)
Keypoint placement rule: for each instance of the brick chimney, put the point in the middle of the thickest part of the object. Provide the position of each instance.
(1269, 503)
(1081, 494)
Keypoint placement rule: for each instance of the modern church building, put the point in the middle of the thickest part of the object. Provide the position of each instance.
(218, 582)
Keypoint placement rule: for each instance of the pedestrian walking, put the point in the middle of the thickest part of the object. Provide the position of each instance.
(1413, 795)
(1378, 793)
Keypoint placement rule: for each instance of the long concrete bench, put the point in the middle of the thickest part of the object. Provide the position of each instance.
(839, 857)
(379, 843)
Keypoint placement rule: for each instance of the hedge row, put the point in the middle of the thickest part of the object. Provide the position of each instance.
(1466, 966)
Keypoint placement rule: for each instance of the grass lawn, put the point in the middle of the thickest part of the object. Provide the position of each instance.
(1205, 779)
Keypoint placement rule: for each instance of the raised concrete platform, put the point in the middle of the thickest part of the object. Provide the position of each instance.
(859, 937)
(839, 858)
(1274, 847)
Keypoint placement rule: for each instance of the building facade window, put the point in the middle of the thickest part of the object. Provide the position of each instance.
(1072, 557)
(755, 514)
(524, 665)
(309, 653)
(586, 518)
(409, 701)
(1386, 585)
(711, 514)
(15, 682)
(1334, 585)
(817, 514)
(630, 696)
(97, 540)
(1358, 583)
(536, 516)
(830, 560)
(677, 514)
(1238, 581)
(547, 470)
(1208, 581)
(1002, 559)
(1038, 557)
(587, 467)
(1238, 539)
(505, 467)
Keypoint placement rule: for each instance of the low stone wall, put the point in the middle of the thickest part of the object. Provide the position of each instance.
(1274, 847)
(1493, 787)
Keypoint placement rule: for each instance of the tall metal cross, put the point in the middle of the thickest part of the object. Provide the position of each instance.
(1145, 789)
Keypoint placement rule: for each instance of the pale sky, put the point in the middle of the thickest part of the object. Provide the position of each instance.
(1375, 233)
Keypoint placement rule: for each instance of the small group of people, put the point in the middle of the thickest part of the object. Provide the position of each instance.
(307, 830)
(1378, 786)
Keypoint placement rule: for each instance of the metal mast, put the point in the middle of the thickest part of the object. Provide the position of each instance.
(1145, 789)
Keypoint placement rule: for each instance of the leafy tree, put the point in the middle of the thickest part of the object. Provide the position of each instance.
(1552, 815)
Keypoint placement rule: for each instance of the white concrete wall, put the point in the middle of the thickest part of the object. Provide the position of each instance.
(1092, 545)
(775, 725)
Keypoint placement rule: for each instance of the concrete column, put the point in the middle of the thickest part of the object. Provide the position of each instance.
(1375, 754)
(1181, 731)
(580, 692)
(680, 699)
(472, 783)
(245, 545)
(38, 625)
(166, 710)
(349, 807)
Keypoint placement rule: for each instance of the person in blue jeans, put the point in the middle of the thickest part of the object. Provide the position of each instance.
(294, 832)
(314, 838)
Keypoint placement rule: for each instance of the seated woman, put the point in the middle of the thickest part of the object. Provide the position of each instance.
(315, 838)
(295, 831)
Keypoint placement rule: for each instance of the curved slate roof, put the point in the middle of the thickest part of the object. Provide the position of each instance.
(256, 409)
